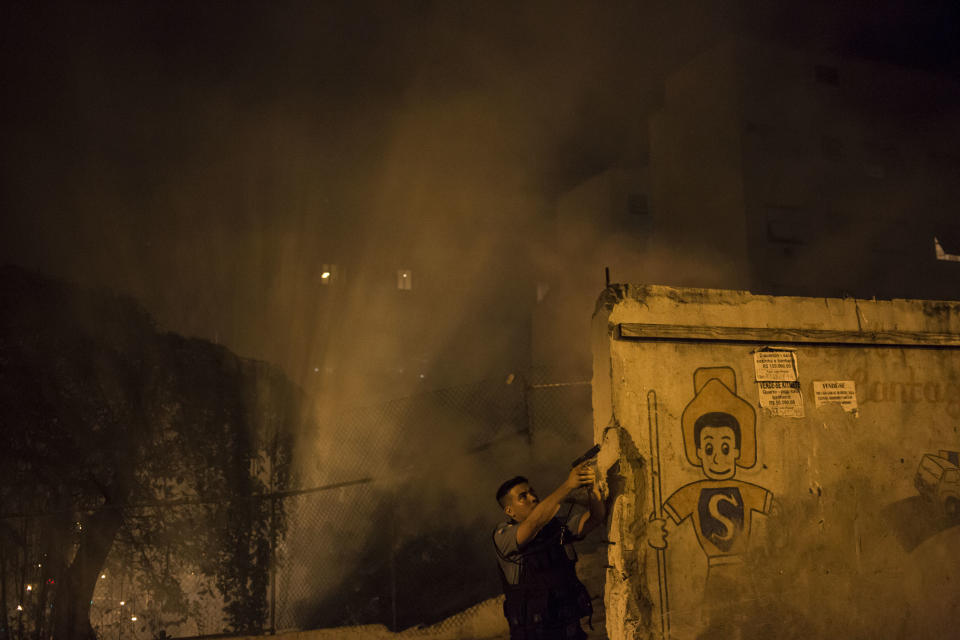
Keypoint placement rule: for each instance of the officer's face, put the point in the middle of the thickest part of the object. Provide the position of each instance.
(522, 500)
(717, 452)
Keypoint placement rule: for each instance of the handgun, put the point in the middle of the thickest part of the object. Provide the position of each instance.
(591, 453)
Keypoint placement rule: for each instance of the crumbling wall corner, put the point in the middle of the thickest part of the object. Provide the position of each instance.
(629, 606)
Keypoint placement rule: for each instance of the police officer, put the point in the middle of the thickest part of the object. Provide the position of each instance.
(544, 598)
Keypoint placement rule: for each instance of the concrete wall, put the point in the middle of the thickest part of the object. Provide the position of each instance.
(811, 524)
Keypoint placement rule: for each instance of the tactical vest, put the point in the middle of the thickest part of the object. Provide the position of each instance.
(548, 598)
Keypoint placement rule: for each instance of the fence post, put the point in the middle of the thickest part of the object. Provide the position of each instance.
(273, 535)
(527, 388)
(393, 560)
(3, 591)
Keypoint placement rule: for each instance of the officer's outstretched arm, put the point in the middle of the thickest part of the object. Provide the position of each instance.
(579, 476)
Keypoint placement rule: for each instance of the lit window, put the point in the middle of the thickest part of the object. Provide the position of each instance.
(542, 290)
(330, 274)
(405, 279)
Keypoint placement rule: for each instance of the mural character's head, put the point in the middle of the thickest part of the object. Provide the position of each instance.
(517, 498)
(719, 427)
(717, 437)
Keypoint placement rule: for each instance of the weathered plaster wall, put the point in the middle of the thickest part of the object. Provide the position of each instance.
(819, 530)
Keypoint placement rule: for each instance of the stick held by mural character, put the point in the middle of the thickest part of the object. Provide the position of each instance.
(653, 421)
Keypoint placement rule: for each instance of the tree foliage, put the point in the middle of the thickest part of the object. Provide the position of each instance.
(124, 440)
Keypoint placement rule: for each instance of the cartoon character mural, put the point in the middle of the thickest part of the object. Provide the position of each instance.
(719, 437)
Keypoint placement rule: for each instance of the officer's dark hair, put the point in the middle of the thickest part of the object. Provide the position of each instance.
(506, 486)
(716, 419)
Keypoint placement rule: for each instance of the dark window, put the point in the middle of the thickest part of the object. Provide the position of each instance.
(786, 225)
(637, 204)
(831, 148)
(873, 170)
(826, 74)
(944, 159)
(881, 150)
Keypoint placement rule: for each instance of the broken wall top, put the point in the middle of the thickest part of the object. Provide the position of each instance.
(721, 307)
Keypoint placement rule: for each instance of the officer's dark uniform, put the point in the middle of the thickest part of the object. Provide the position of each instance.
(546, 601)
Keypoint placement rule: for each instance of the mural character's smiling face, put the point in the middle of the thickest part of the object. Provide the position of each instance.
(718, 451)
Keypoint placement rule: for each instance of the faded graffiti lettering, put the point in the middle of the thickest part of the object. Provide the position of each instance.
(946, 393)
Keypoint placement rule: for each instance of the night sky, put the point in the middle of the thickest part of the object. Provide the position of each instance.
(207, 158)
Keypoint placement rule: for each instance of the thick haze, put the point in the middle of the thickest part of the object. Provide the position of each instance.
(209, 158)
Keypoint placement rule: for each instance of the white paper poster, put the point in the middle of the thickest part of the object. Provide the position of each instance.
(775, 365)
(781, 398)
(842, 392)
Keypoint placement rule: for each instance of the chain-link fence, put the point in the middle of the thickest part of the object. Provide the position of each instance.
(391, 524)
(413, 546)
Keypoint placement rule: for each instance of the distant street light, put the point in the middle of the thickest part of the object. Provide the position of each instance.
(405, 279)
(331, 274)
